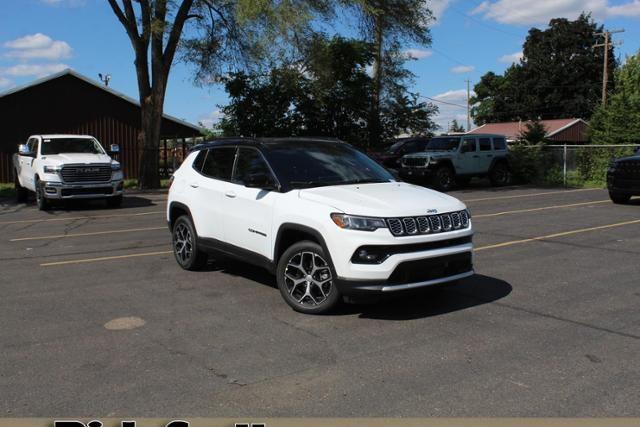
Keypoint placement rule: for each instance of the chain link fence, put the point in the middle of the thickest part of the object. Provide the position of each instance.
(568, 165)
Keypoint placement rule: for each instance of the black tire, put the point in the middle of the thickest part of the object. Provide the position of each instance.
(185, 245)
(500, 175)
(444, 178)
(115, 201)
(22, 194)
(41, 201)
(306, 279)
(620, 199)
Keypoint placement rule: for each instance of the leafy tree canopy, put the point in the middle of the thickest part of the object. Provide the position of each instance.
(559, 76)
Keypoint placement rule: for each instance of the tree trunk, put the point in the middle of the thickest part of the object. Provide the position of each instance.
(374, 118)
(149, 144)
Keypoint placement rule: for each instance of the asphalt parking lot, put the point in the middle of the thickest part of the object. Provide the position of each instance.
(98, 320)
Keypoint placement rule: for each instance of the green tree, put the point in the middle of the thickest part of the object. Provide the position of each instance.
(387, 24)
(223, 32)
(534, 132)
(619, 121)
(559, 76)
(456, 127)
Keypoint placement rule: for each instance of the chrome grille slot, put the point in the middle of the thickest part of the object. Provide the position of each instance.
(423, 224)
(410, 225)
(86, 173)
(436, 224)
(414, 161)
(395, 226)
(446, 222)
(455, 219)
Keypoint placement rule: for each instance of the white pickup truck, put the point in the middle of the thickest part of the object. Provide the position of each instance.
(61, 167)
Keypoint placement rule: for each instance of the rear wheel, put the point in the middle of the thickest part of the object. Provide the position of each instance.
(620, 199)
(500, 175)
(21, 193)
(444, 178)
(185, 245)
(306, 279)
(41, 200)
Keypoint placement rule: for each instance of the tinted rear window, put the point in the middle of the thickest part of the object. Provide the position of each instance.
(219, 163)
(485, 144)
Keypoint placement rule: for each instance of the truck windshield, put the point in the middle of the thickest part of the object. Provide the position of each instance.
(71, 145)
(306, 164)
(443, 144)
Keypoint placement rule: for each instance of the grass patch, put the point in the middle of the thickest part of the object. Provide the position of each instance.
(7, 190)
(132, 184)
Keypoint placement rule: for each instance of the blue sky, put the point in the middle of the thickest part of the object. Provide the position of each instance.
(470, 37)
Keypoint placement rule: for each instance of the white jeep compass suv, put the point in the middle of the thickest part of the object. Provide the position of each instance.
(322, 216)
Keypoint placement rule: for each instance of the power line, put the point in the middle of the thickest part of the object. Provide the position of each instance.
(442, 102)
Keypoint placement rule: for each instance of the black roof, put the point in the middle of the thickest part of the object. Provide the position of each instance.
(250, 141)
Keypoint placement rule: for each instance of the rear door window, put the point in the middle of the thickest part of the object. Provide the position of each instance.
(219, 163)
(485, 144)
(199, 160)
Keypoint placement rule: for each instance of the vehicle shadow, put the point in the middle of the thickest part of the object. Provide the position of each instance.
(471, 292)
(128, 202)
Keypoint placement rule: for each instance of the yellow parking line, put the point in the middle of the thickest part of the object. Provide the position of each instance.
(530, 195)
(106, 258)
(94, 233)
(551, 236)
(74, 218)
(540, 209)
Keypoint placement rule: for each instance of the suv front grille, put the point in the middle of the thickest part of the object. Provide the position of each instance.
(628, 169)
(428, 224)
(86, 173)
(415, 162)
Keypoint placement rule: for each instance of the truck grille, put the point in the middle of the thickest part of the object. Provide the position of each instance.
(414, 162)
(86, 173)
(428, 224)
(628, 169)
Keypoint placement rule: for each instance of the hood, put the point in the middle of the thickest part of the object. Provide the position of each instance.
(431, 154)
(72, 158)
(388, 199)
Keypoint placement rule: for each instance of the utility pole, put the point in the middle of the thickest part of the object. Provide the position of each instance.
(468, 106)
(605, 74)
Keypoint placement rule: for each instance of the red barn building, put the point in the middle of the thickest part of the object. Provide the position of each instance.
(560, 131)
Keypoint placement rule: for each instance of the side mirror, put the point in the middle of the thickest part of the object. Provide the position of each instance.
(114, 148)
(23, 150)
(259, 180)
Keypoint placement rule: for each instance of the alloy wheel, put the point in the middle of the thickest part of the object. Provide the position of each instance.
(183, 243)
(308, 279)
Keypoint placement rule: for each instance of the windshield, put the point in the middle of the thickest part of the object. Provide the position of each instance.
(304, 164)
(443, 144)
(71, 145)
(395, 147)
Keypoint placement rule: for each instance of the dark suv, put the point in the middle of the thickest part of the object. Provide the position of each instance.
(390, 158)
(623, 178)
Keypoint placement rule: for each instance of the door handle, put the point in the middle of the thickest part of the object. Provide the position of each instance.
(230, 194)
(194, 185)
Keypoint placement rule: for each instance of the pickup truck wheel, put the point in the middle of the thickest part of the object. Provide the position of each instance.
(185, 245)
(306, 279)
(619, 199)
(500, 175)
(41, 200)
(115, 201)
(444, 178)
(21, 193)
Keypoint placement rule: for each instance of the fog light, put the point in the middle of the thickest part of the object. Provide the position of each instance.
(366, 257)
(50, 190)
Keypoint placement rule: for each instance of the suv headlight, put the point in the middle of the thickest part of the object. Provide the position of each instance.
(362, 223)
(52, 169)
(115, 166)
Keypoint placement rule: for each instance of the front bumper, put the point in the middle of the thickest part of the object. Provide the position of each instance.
(623, 185)
(408, 172)
(61, 191)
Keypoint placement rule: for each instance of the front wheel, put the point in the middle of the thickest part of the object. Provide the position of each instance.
(619, 199)
(306, 279)
(185, 245)
(444, 178)
(41, 200)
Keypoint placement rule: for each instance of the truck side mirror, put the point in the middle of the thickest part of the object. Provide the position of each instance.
(23, 150)
(114, 148)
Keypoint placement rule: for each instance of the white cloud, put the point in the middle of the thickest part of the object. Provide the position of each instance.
(628, 9)
(37, 46)
(208, 120)
(511, 58)
(38, 70)
(438, 8)
(70, 3)
(4, 82)
(417, 53)
(448, 112)
(460, 69)
(532, 12)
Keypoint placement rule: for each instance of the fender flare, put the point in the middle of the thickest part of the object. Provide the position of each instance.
(292, 226)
